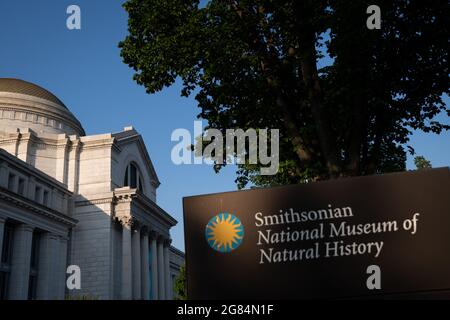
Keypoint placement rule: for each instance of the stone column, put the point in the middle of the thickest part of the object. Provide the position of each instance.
(154, 251)
(136, 249)
(20, 263)
(47, 288)
(145, 268)
(168, 280)
(2, 232)
(126, 283)
(61, 272)
(161, 278)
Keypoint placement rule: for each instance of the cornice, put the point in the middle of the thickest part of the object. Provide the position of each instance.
(87, 202)
(97, 144)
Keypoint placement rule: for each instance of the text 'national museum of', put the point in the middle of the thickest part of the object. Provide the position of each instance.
(71, 199)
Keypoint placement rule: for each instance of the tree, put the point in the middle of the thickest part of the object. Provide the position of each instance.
(180, 285)
(422, 163)
(259, 64)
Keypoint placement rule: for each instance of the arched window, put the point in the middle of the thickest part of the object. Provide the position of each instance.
(133, 177)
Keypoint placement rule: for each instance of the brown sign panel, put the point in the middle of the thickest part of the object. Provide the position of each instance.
(356, 237)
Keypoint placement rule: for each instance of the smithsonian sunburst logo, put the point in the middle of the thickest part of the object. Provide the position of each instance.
(224, 232)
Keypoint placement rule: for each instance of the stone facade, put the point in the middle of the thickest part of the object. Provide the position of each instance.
(97, 195)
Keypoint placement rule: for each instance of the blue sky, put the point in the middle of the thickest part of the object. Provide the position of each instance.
(83, 68)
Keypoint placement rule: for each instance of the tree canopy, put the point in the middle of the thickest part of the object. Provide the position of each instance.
(180, 285)
(422, 163)
(259, 64)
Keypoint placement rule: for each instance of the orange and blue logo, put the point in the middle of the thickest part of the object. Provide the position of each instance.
(224, 232)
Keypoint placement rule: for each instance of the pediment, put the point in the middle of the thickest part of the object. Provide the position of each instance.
(130, 143)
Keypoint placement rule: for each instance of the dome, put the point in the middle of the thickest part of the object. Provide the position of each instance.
(27, 105)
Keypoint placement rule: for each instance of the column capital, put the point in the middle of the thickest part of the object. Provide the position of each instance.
(63, 238)
(52, 236)
(153, 235)
(127, 221)
(136, 225)
(144, 230)
(26, 227)
(2, 219)
(167, 242)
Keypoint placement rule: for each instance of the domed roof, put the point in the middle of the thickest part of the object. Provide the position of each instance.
(24, 87)
(25, 104)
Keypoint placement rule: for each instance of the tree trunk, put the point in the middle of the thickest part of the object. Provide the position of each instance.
(297, 141)
(322, 122)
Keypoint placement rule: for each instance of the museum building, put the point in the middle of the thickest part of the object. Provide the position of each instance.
(70, 199)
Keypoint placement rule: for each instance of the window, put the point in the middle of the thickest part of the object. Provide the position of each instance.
(45, 200)
(21, 189)
(37, 194)
(11, 179)
(5, 261)
(125, 180)
(133, 178)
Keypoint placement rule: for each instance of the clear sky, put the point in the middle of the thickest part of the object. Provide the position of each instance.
(84, 69)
